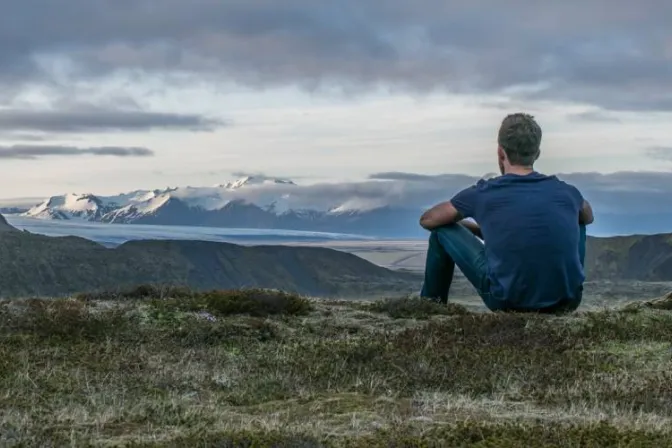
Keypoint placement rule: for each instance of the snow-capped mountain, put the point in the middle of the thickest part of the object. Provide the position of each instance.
(250, 202)
(252, 180)
(71, 206)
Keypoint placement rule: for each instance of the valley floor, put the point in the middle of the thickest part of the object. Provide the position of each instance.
(142, 371)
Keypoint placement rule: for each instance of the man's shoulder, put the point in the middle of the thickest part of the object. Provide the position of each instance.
(566, 185)
(496, 182)
(486, 182)
(549, 183)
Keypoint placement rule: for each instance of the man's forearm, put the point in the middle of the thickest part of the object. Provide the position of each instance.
(586, 214)
(442, 214)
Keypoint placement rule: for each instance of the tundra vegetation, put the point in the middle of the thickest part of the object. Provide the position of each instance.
(154, 367)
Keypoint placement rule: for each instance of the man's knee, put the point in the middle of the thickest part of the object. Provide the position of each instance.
(436, 235)
(448, 232)
(450, 229)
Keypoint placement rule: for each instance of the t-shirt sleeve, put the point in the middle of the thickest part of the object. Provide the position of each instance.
(576, 195)
(466, 201)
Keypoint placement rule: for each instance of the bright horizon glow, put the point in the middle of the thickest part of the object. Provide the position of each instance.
(336, 141)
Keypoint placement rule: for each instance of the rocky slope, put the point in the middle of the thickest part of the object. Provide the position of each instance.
(637, 257)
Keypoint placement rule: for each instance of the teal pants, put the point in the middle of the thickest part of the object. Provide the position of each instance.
(456, 245)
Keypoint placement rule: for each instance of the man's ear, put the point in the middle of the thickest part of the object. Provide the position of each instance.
(501, 154)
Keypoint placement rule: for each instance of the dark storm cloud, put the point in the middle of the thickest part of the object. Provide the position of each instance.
(38, 151)
(612, 53)
(99, 120)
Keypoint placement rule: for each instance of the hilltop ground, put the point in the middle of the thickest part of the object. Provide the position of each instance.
(142, 370)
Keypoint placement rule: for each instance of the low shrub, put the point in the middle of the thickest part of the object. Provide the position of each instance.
(254, 302)
(415, 308)
(64, 319)
(147, 291)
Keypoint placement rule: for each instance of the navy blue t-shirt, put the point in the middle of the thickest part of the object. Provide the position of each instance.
(530, 224)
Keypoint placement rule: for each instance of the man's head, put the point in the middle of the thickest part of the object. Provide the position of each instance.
(519, 141)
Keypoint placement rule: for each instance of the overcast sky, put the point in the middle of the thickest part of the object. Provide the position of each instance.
(106, 96)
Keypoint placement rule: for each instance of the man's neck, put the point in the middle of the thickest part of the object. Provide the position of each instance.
(519, 170)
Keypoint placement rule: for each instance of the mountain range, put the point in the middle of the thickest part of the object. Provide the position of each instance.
(376, 209)
(38, 265)
(250, 202)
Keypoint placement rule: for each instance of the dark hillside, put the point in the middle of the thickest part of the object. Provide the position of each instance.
(40, 265)
(637, 257)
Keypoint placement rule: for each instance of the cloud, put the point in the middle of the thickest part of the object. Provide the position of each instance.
(622, 193)
(34, 152)
(593, 116)
(91, 119)
(613, 53)
(21, 136)
(257, 175)
(660, 152)
(413, 177)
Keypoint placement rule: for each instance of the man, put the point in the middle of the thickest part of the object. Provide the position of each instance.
(533, 229)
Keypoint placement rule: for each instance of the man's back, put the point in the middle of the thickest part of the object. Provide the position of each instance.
(530, 224)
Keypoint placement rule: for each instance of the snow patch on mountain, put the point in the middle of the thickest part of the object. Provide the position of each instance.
(269, 194)
(358, 205)
(206, 198)
(132, 197)
(136, 210)
(70, 206)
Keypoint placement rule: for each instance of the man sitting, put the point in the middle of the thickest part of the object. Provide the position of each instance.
(533, 229)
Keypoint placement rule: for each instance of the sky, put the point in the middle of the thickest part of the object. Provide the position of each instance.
(106, 96)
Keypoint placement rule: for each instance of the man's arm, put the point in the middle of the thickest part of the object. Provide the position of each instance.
(461, 206)
(445, 214)
(586, 214)
(442, 214)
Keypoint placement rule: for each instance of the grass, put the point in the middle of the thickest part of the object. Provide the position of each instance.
(151, 367)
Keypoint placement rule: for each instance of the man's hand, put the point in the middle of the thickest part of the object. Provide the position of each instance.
(473, 228)
(586, 214)
(440, 215)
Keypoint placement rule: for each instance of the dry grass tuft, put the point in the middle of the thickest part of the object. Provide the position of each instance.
(662, 303)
